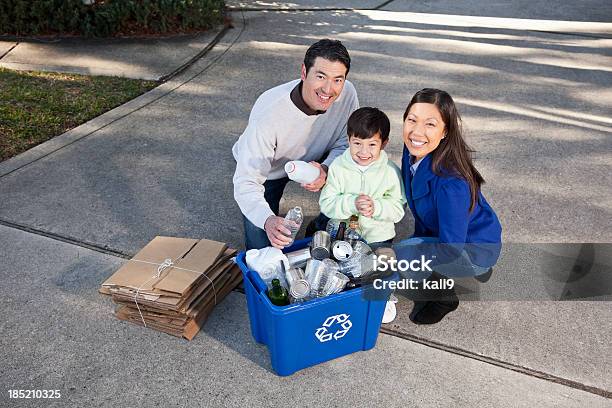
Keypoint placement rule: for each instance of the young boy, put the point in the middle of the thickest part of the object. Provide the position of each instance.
(364, 182)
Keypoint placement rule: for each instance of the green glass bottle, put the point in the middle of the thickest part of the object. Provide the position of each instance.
(278, 295)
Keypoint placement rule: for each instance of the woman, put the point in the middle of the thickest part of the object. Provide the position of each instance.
(455, 227)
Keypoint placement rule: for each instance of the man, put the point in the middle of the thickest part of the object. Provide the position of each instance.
(301, 120)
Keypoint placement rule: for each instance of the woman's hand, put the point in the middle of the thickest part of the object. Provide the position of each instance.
(365, 205)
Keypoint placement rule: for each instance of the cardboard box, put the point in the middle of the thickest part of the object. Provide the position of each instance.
(191, 258)
(176, 283)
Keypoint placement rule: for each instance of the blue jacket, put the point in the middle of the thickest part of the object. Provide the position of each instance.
(440, 206)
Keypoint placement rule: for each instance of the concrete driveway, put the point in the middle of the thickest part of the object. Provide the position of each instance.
(533, 85)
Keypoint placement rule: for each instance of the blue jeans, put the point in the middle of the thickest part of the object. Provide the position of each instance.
(256, 238)
(462, 266)
(382, 244)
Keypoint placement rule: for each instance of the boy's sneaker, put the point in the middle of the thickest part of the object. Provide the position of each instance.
(390, 310)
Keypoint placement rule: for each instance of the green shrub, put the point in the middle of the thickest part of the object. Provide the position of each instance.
(107, 18)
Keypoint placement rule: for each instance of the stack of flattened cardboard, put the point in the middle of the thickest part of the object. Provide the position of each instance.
(175, 282)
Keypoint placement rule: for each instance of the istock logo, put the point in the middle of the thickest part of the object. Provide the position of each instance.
(384, 263)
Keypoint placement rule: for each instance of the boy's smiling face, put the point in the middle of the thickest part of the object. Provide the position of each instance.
(366, 151)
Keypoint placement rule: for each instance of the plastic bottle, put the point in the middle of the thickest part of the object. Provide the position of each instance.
(295, 215)
(278, 295)
(269, 263)
(301, 172)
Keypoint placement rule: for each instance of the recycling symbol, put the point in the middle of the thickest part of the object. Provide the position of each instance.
(323, 333)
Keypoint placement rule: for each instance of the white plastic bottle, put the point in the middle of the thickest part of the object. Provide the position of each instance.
(301, 172)
(270, 263)
(295, 215)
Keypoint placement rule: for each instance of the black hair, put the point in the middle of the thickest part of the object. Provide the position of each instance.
(331, 50)
(453, 155)
(364, 123)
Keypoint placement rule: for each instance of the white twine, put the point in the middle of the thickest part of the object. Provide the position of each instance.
(160, 268)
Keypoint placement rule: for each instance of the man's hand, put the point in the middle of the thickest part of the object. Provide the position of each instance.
(365, 205)
(278, 234)
(320, 181)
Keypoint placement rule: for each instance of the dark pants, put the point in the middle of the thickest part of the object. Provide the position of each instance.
(382, 244)
(256, 238)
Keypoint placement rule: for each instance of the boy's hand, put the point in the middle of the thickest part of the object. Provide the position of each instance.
(278, 234)
(365, 205)
(320, 181)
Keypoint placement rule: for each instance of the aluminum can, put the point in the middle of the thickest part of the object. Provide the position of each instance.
(298, 259)
(316, 274)
(299, 287)
(335, 283)
(321, 245)
(342, 250)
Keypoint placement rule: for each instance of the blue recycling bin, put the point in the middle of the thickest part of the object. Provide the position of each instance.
(305, 334)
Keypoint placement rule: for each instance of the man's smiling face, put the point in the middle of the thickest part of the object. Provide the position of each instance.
(323, 83)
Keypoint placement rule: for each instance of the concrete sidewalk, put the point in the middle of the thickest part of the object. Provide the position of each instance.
(535, 103)
(59, 333)
(146, 58)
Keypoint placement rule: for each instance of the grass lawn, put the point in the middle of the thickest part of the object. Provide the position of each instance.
(36, 106)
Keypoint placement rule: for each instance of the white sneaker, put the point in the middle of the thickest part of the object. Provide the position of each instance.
(390, 310)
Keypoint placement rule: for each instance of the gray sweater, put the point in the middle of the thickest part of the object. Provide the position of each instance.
(279, 132)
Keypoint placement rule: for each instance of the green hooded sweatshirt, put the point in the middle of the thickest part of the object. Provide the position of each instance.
(381, 181)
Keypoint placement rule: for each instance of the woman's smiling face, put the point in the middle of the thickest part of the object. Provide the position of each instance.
(424, 129)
